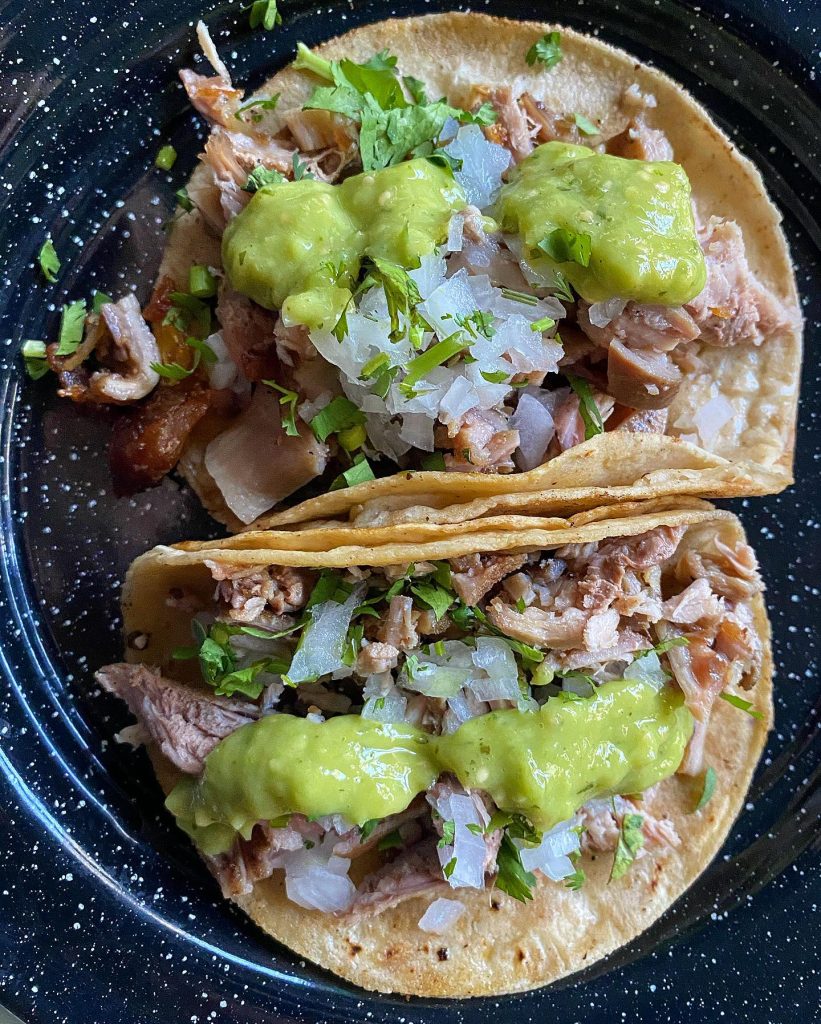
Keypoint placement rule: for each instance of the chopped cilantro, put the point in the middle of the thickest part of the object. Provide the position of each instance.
(49, 261)
(288, 411)
(495, 376)
(664, 646)
(262, 176)
(307, 60)
(374, 366)
(433, 463)
(367, 828)
(100, 299)
(543, 325)
(547, 50)
(415, 88)
(432, 357)
(359, 473)
(264, 13)
(631, 840)
(401, 292)
(183, 199)
(741, 704)
(338, 415)
(523, 297)
(175, 371)
(484, 115)
(71, 327)
(576, 880)
(512, 877)
(566, 246)
(588, 408)
(435, 597)
(585, 126)
(448, 834)
(561, 287)
(391, 840)
(218, 659)
(261, 103)
(449, 868)
(189, 314)
(300, 169)
(34, 358)
(708, 787)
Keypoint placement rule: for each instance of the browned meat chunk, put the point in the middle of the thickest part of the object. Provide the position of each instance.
(185, 723)
(474, 575)
(398, 629)
(415, 872)
(248, 333)
(147, 442)
(281, 588)
(734, 307)
(641, 378)
(483, 443)
(252, 860)
(638, 141)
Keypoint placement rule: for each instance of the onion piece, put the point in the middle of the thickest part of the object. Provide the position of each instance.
(317, 879)
(551, 855)
(456, 231)
(536, 430)
(468, 849)
(441, 916)
(711, 417)
(323, 640)
(498, 675)
(602, 313)
(483, 164)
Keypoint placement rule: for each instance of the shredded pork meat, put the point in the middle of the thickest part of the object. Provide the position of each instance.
(185, 723)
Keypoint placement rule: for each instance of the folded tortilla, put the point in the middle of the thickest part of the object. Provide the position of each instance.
(752, 453)
(498, 945)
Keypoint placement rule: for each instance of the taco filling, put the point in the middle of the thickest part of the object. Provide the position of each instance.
(384, 280)
(491, 721)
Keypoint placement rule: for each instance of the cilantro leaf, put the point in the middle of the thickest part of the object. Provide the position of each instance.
(448, 834)
(586, 126)
(387, 136)
(416, 88)
(189, 314)
(576, 880)
(435, 597)
(264, 13)
(485, 115)
(49, 261)
(512, 877)
(391, 840)
(449, 868)
(359, 473)
(368, 827)
(340, 99)
(631, 840)
(287, 413)
(183, 199)
(561, 287)
(35, 359)
(434, 463)
(588, 408)
(338, 414)
(261, 103)
(708, 788)
(71, 327)
(547, 50)
(401, 292)
(741, 704)
(300, 169)
(100, 299)
(262, 176)
(376, 77)
(566, 246)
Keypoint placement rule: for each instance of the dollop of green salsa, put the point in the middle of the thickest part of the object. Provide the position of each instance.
(298, 245)
(636, 215)
(544, 764)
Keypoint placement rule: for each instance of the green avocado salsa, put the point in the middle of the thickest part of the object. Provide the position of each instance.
(544, 764)
(615, 227)
(298, 245)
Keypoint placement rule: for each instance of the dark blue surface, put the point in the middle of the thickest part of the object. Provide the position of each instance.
(106, 916)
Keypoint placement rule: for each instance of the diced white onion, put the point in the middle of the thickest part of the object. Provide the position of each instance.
(498, 675)
(483, 164)
(551, 855)
(441, 916)
(223, 373)
(323, 640)
(384, 702)
(317, 879)
(536, 430)
(456, 231)
(460, 398)
(429, 274)
(711, 417)
(601, 313)
(468, 848)
(648, 669)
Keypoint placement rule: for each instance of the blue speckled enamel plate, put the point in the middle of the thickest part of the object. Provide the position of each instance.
(107, 916)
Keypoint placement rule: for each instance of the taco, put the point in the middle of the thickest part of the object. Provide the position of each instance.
(458, 767)
(456, 263)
